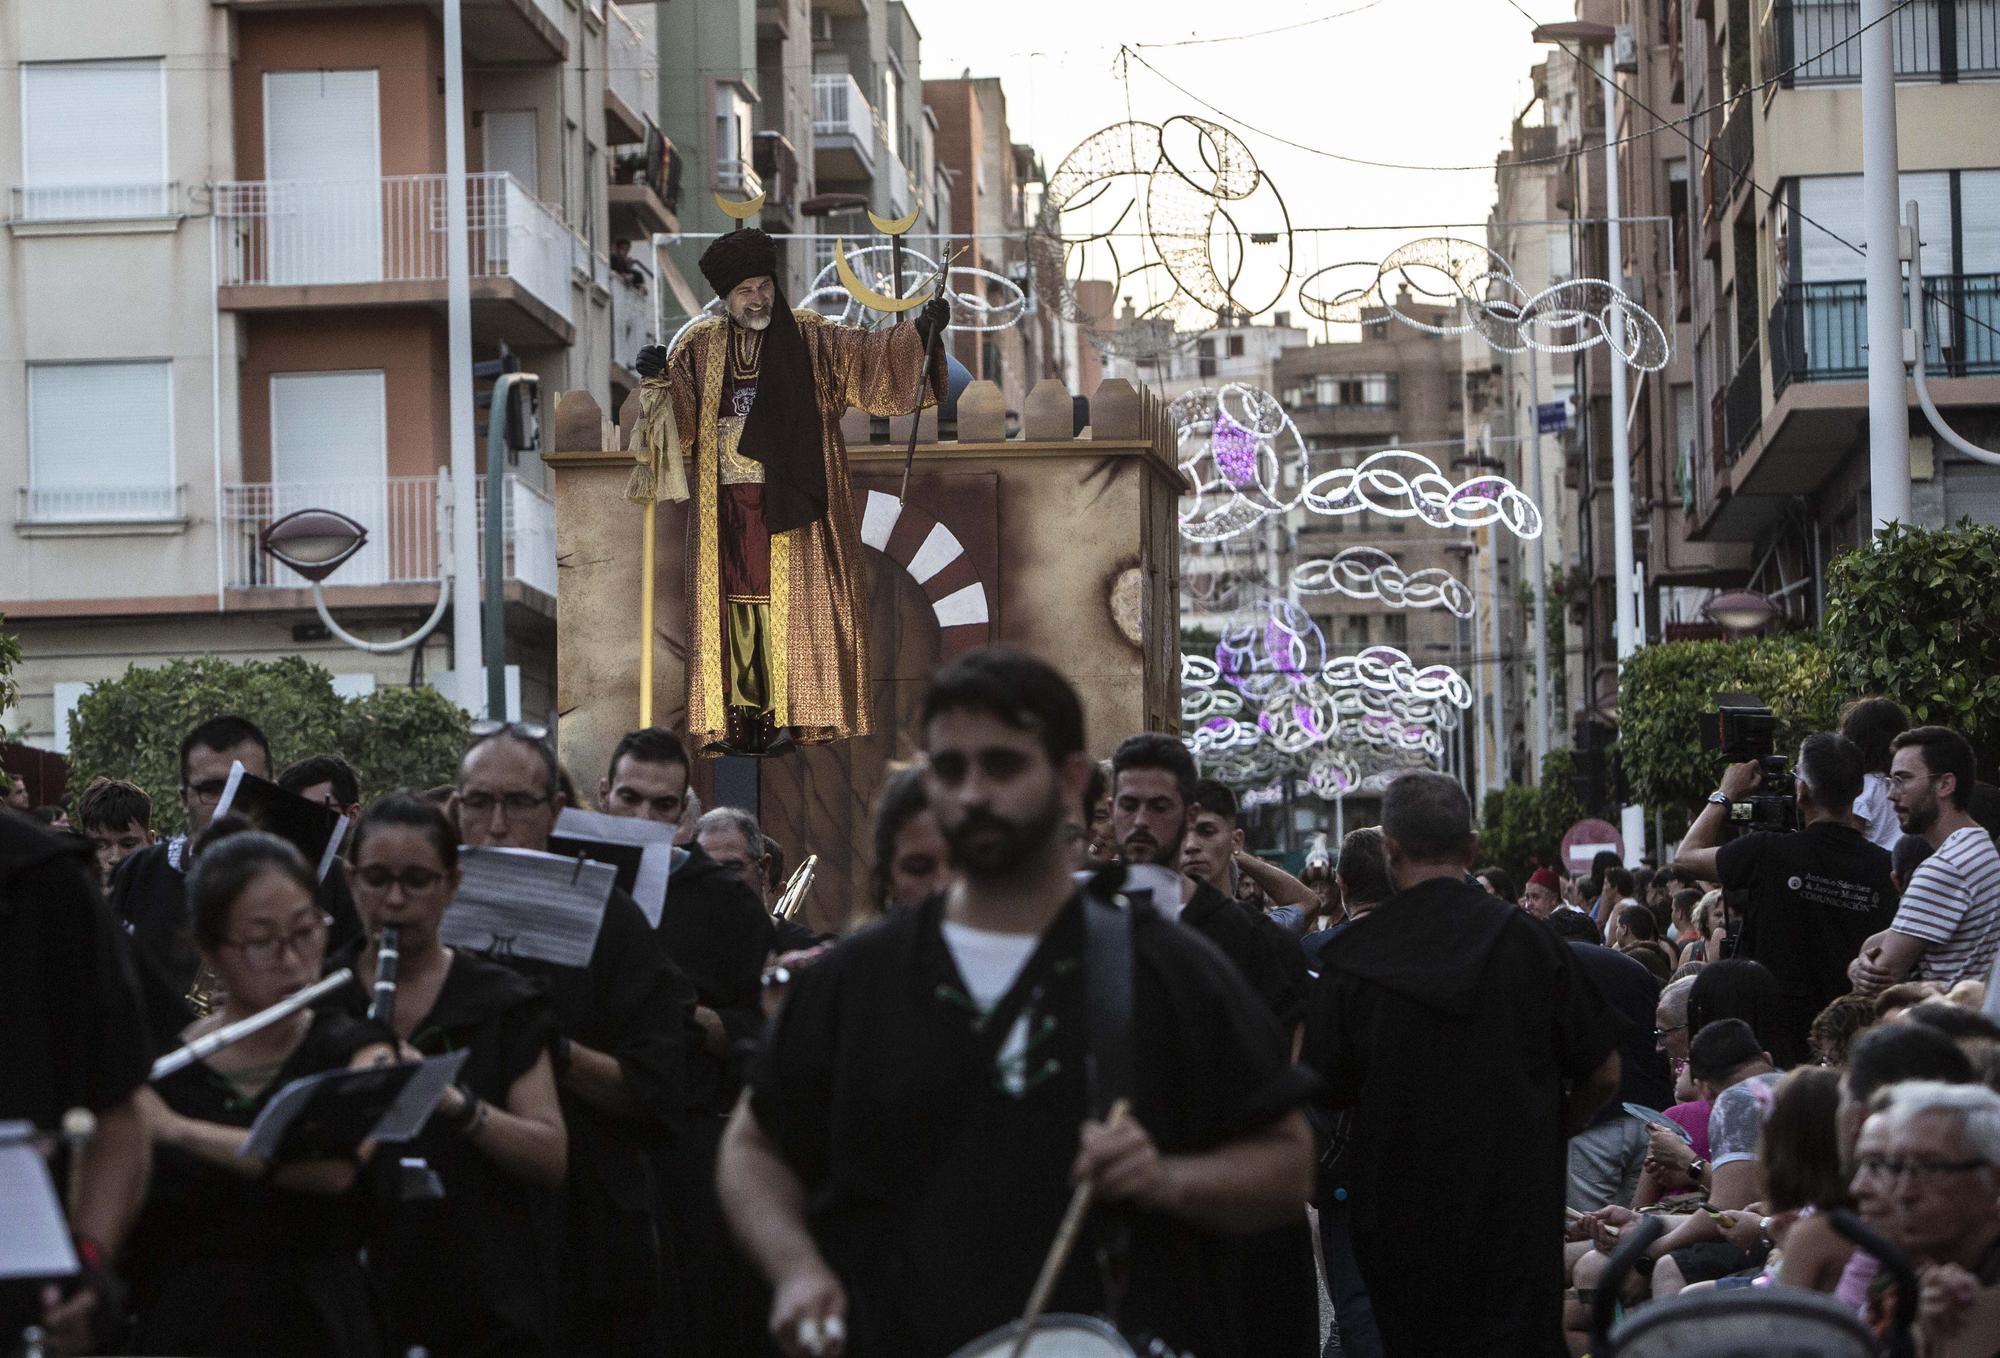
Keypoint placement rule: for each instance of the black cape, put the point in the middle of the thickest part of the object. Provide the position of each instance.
(934, 1188)
(1450, 1024)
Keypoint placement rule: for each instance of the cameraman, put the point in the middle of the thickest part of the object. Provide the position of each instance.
(1809, 900)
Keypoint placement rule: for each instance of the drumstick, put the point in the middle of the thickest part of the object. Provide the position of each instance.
(1065, 1241)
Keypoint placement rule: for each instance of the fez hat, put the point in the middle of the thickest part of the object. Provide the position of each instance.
(1543, 877)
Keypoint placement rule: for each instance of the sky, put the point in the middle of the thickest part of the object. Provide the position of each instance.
(1424, 82)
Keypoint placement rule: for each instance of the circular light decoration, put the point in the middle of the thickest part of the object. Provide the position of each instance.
(1566, 317)
(1238, 449)
(1371, 573)
(1401, 484)
(981, 300)
(1196, 185)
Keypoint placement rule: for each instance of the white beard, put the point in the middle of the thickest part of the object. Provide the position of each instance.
(749, 322)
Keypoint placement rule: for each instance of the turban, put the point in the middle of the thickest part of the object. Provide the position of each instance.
(741, 254)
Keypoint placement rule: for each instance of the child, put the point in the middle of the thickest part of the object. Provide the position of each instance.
(117, 818)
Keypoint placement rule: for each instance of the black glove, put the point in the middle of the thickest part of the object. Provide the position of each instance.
(651, 362)
(933, 319)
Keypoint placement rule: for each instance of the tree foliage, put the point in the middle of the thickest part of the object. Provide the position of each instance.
(1913, 617)
(131, 727)
(10, 656)
(1521, 828)
(1663, 690)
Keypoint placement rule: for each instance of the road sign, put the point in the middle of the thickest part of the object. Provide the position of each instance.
(1588, 838)
(1552, 416)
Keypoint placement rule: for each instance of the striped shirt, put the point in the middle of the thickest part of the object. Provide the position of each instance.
(1953, 904)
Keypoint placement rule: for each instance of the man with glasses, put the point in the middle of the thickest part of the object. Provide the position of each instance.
(1942, 1170)
(1809, 899)
(1948, 928)
(621, 1060)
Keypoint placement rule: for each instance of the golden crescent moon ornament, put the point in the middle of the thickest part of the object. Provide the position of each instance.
(894, 226)
(741, 212)
(867, 296)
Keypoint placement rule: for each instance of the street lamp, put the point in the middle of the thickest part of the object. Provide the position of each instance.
(317, 542)
(1740, 610)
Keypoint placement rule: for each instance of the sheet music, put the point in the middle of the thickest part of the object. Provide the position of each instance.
(655, 841)
(519, 903)
(34, 1237)
(419, 1099)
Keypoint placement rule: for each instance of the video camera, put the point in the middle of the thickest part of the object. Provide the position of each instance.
(1742, 728)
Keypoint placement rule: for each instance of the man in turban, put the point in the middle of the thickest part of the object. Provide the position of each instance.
(777, 616)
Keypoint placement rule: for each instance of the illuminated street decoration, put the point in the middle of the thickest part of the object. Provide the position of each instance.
(981, 300)
(1563, 318)
(1401, 484)
(1371, 573)
(1239, 450)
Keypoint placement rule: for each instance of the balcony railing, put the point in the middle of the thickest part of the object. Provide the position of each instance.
(632, 63)
(840, 109)
(738, 176)
(98, 504)
(93, 202)
(288, 233)
(631, 319)
(401, 516)
(1819, 38)
(1818, 332)
(1743, 405)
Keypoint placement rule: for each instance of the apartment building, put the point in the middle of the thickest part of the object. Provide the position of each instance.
(222, 300)
(1779, 455)
(994, 200)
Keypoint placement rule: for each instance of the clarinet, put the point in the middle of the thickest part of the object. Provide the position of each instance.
(383, 1008)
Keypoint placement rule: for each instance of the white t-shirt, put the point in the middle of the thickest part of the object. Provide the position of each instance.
(1877, 816)
(1953, 904)
(989, 963)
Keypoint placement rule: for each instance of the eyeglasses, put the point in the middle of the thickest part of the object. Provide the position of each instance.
(207, 793)
(1662, 1034)
(412, 880)
(265, 952)
(511, 805)
(1919, 1170)
(1903, 780)
(522, 730)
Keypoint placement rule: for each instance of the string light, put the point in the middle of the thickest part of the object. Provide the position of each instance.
(1369, 573)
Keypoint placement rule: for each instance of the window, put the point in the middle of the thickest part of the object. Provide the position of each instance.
(93, 140)
(1236, 346)
(100, 442)
(732, 139)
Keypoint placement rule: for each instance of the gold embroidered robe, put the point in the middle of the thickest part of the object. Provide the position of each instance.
(818, 629)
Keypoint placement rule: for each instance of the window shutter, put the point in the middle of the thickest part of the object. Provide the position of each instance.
(94, 125)
(100, 440)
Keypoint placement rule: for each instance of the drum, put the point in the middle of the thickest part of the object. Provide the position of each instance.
(1055, 1336)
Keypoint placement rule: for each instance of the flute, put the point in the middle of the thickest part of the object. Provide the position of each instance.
(382, 1009)
(208, 1044)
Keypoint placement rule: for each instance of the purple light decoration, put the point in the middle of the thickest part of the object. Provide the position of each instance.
(1303, 713)
(1278, 643)
(1216, 724)
(1264, 723)
(1235, 450)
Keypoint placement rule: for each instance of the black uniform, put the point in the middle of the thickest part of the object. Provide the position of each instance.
(469, 1273)
(69, 1004)
(936, 1172)
(224, 1265)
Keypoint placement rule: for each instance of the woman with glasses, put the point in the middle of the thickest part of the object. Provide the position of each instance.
(231, 1255)
(461, 1273)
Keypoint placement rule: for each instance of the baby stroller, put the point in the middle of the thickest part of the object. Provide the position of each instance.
(1759, 1322)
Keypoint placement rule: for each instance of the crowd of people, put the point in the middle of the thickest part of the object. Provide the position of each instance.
(1393, 1090)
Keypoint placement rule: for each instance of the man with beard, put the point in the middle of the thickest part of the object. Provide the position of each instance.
(917, 1118)
(1947, 928)
(777, 625)
(1154, 807)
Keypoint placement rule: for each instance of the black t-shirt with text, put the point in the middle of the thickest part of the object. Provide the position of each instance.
(1810, 899)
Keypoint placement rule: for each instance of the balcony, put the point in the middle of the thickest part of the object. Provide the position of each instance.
(290, 244)
(777, 165)
(70, 203)
(1819, 331)
(738, 177)
(632, 73)
(1742, 406)
(843, 130)
(496, 31)
(1966, 48)
(401, 516)
(60, 509)
(631, 326)
(644, 195)
(774, 19)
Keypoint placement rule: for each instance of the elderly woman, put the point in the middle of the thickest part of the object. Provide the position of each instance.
(467, 1273)
(233, 1255)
